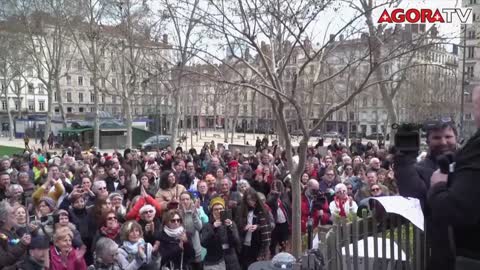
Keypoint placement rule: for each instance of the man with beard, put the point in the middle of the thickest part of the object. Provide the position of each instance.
(413, 180)
(453, 200)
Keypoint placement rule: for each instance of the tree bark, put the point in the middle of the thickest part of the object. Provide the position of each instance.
(11, 134)
(128, 121)
(48, 123)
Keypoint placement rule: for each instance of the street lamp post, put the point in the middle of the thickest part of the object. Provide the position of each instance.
(462, 96)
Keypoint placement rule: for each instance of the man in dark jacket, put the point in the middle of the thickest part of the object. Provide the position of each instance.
(413, 180)
(37, 255)
(454, 199)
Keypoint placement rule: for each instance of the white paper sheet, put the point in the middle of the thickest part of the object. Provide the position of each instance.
(408, 208)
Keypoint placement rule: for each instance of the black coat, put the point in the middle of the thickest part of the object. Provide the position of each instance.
(214, 239)
(413, 180)
(456, 202)
(155, 236)
(172, 253)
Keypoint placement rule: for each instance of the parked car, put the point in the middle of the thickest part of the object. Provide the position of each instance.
(156, 142)
(375, 136)
(356, 135)
(331, 134)
(317, 133)
(297, 132)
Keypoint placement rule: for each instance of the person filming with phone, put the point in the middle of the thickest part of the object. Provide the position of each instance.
(220, 237)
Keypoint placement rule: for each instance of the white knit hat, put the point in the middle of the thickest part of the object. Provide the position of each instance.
(147, 207)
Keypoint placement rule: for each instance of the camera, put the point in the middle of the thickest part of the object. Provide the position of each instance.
(407, 137)
(318, 200)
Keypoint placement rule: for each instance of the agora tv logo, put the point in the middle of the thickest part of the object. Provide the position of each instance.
(426, 15)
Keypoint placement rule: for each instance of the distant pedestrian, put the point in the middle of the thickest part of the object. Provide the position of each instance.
(42, 142)
(26, 140)
(50, 140)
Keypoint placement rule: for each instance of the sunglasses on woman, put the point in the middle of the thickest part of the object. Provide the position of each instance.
(175, 220)
(111, 218)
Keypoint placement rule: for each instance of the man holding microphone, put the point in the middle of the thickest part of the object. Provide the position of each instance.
(454, 199)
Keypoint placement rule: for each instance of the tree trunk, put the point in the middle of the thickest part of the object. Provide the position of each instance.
(254, 114)
(11, 134)
(376, 48)
(96, 123)
(175, 119)
(128, 117)
(48, 123)
(60, 102)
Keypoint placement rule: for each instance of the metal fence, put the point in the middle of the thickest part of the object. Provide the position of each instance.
(389, 242)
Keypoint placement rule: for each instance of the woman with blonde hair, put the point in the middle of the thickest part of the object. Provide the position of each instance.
(62, 255)
(134, 252)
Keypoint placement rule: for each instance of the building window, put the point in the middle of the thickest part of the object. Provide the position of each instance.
(102, 66)
(103, 83)
(363, 128)
(16, 105)
(374, 101)
(57, 110)
(114, 99)
(69, 109)
(80, 81)
(81, 109)
(69, 64)
(470, 72)
(79, 65)
(351, 116)
(69, 97)
(373, 128)
(55, 96)
(30, 71)
(114, 83)
(92, 109)
(31, 89)
(41, 105)
(69, 80)
(470, 52)
(114, 69)
(40, 89)
(114, 110)
(80, 97)
(471, 34)
(244, 109)
(91, 81)
(103, 98)
(31, 105)
(365, 102)
(472, 2)
(92, 97)
(4, 105)
(468, 116)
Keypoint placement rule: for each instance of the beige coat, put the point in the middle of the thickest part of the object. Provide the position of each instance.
(163, 196)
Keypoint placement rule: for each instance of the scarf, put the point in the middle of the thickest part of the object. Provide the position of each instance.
(110, 233)
(132, 248)
(340, 205)
(174, 233)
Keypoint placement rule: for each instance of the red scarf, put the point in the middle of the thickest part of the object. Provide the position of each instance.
(340, 205)
(110, 233)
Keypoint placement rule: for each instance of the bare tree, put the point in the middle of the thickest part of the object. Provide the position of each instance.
(287, 70)
(91, 38)
(183, 18)
(48, 46)
(13, 66)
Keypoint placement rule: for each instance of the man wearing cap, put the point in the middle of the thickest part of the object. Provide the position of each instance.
(233, 174)
(37, 257)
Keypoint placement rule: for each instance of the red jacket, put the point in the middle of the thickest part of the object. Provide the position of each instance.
(325, 219)
(72, 261)
(134, 212)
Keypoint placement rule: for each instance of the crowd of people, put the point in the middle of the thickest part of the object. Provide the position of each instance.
(217, 209)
